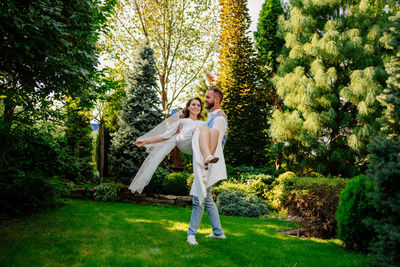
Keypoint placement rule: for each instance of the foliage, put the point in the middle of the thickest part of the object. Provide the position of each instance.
(254, 184)
(232, 185)
(235, 203)
(139, 115)
(157, 181)
(30, 179)
(245, 102)
(331, 72)
(244, 170)
(48, 50)
(79, 141)
(268, 42)
(315, 200)
(176, 184)
(384, 168)
(182, 34)
(276, 196)
(355, 208)
(106, 192)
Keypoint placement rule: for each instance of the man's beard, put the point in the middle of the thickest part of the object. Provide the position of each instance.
(209, 106)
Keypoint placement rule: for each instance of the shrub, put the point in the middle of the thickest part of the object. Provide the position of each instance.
(106, 192)
(232, 185)
(33, 167)
(354, 208)
(276, 195)
(22, 192)
(236, 172)
(175, 183)
(156, 182)
(316, 201)
(235, 203)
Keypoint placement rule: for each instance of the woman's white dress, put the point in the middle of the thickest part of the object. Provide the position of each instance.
(158, 151)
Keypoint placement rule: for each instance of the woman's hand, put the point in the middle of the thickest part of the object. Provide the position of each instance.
(139, 143)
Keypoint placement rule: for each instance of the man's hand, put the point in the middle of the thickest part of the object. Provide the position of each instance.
(222, 113)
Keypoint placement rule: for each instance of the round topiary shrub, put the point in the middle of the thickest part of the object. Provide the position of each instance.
(176, 184)
(355, 208)
(106, 192)
(235, 203)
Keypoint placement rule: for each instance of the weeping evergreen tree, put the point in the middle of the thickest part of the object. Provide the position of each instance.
(239, 78)
(140, 113)
(269, 45)
(331, 72)
(79, 141)
(384, 169)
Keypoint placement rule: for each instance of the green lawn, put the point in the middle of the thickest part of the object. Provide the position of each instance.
(88, 233)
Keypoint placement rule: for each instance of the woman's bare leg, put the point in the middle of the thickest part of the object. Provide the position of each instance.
(214, 135)
(204, 141)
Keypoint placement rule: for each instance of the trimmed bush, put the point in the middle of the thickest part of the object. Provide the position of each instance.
(106, 192)
(232, 185)
(315, 200)
(355, 207)
(276, 195)
(176, 183)
(235, 203)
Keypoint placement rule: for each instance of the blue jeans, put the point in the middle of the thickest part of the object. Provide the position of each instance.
(197, 214)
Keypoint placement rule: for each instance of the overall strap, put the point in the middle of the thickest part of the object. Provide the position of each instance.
(210, 123)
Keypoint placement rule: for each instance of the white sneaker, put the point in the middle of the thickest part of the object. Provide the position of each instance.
(216, 236)
(191, 239)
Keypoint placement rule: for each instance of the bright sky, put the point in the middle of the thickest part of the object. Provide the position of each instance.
(254, 10)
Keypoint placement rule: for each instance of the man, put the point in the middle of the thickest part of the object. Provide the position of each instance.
(216, 172)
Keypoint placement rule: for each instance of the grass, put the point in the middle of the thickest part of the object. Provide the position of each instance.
(88, 233)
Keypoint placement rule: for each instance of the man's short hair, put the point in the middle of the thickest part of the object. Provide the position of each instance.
(217, 91)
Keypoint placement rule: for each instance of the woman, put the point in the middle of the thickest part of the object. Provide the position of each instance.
(180, 133)
(183, 130)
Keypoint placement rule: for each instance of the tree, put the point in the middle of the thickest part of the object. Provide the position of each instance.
(182, 34)
(384, 169)
(269, 45)
(79, 141)
(140, 113)
(238, 77)
(47, 52)
(331, 71)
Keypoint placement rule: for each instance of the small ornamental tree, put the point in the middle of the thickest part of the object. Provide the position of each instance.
(140, 113)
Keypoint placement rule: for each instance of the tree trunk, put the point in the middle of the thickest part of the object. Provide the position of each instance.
(101, 171)
(9, 108)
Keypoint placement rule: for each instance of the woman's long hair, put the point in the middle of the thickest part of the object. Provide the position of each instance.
(186, 112)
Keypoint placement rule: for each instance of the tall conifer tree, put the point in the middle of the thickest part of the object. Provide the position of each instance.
(331, 72)
(269, 45)
(384, 170)
(140, 113)
(238, 77)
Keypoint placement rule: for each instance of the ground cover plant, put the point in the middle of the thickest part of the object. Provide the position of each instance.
(89, 233)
